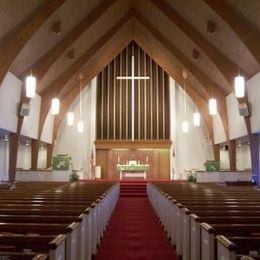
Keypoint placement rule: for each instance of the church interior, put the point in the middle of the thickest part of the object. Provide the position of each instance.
(130, 129)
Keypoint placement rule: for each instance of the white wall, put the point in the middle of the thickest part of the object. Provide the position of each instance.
(42, 159)
(4, 160)
(47, 131)
(79, 145)
(24, 157)
(237, 126)
(10, 94)
(243, 157)
(218, 129)
(191, 149)
(253, 86)
(31, 122)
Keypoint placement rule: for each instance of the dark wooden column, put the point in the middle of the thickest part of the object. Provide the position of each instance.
(35, 154)
(13, 150)
(232, 154)
(254, 150)
(49, 155)
(216, 151)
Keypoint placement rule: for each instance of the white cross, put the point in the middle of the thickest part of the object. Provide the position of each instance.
(133, 77)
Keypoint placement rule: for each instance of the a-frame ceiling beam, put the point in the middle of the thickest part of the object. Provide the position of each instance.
(109, 51)
(94, 69)
(210, 86)
(44, 63)
(245, 30)
(11, 44)
(227, 67)
(55, 87)
(142, 38)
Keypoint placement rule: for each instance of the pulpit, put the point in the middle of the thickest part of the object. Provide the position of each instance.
(132, 170)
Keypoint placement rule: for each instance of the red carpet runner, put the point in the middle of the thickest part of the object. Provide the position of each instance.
(134, 232)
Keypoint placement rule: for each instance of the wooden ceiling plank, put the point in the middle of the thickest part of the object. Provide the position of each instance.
(191, 90)
(210, 86)
(92, 71)
(41, 67)
(11, 44)
(245, 30)
(222, 109)
(55, 87)
(226, 66)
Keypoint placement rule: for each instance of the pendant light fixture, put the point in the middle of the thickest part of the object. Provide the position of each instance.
(185, 123)
(70, 118)
(239, 86)
(239, 81)
(80, 124)
(70, 115)
(30, 86)
(55, 106)
(196, 118)
(213, 106)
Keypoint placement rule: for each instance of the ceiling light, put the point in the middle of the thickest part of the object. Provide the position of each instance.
(55, 106)
(196, 119)
(212, 106)
(185, 127)
(30, 86)
(239, 86)
(80, 126)
(70, 118)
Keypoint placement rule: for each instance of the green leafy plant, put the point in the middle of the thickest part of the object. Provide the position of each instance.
(191, 178)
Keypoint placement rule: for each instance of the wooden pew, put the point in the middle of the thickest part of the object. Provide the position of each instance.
(22, 256)
(54, 246)
(193, 238)
(70, 230)
(197, 200)
(229, 248)
(209, 232)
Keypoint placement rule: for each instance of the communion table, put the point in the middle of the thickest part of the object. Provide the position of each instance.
(132, 170)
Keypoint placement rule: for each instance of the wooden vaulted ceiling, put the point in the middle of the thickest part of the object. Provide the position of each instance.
(60, 39)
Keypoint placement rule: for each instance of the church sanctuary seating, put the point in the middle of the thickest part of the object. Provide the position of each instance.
(55, 220)
(208, 221)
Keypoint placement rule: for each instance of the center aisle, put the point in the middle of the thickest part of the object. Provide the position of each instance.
(134, 233)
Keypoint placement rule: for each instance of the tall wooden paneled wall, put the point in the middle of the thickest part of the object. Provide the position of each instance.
(114, 116)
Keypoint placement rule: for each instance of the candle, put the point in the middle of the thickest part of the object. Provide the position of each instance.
(146, 159)
(118, 159)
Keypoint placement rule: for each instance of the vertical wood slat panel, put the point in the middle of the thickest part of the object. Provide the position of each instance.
(114, 115)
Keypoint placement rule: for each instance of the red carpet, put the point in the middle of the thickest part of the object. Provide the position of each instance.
(134, 233)
(133, 189)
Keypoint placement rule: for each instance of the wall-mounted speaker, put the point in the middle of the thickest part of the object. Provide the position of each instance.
(25, 109)
(243, 109)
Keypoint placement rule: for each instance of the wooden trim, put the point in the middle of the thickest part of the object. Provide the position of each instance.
(245, 30)
(12, 44)
(127, 144)
(13, 150)
(226, 66)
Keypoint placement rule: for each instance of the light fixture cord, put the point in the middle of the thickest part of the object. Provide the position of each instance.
(80, 100)
(185, 100)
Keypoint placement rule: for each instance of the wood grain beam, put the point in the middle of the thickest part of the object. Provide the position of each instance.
(11, 44)
(210, 85)
(226, 66)
(41, 67)
(13, 151)
(74, 69)
(222, 109)
(245, 30)
(104, 55)
(152, 50)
